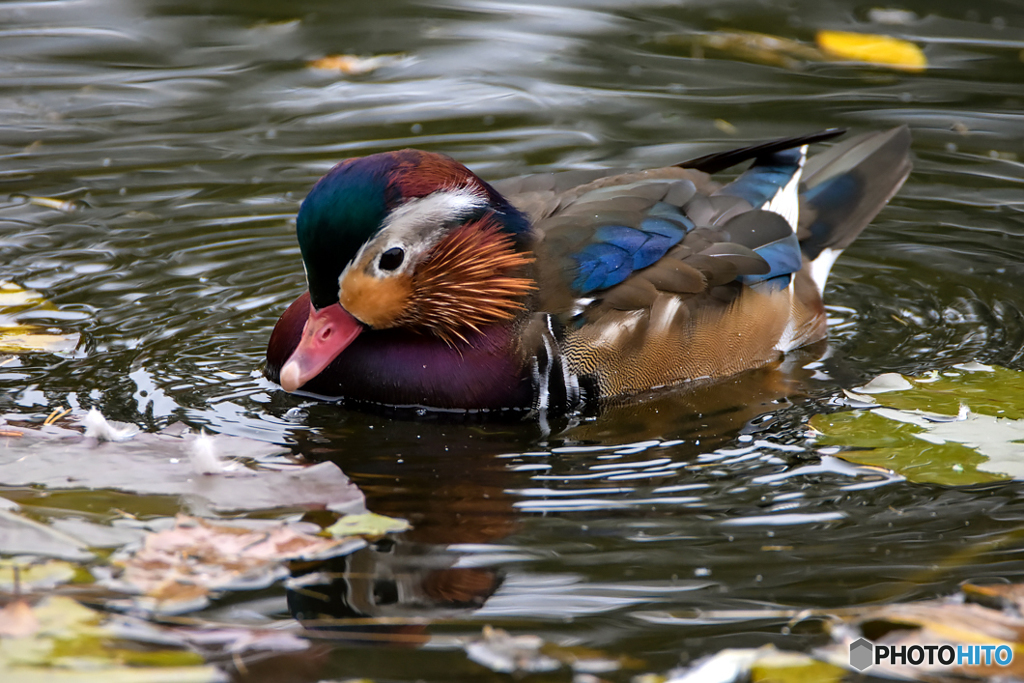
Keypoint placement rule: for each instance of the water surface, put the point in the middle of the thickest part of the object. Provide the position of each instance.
(190, 131)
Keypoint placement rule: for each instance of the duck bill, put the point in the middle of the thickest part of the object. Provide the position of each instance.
(327, 333)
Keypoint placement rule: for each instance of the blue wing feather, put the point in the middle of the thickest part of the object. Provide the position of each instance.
(620, 236)
(831, 201)
(759, 184)
(618, 250)
(673, 215)
(601, 265)
(783, 256)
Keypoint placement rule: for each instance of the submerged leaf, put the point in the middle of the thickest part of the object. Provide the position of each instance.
(59, 640)
(960, 427)
(751, 46)
(947, 621)
(34, 577)
(20, 535)
(873, 49)
(24, 339)
(160, 464)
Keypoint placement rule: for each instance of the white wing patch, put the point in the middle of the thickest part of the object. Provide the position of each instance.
(822, 266)
(786, 201)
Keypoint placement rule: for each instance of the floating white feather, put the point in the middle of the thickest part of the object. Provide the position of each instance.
(101, 429)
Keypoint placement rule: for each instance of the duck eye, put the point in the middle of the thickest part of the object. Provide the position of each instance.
(392, 258)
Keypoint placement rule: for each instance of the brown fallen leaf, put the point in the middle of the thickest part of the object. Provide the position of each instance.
(178, 568)
(935, 622)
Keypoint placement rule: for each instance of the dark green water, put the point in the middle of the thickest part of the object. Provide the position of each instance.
(192, 130)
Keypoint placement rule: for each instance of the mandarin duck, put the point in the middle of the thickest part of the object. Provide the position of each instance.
(431, 288)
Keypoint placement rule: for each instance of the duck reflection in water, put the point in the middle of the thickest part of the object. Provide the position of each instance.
(462, 499)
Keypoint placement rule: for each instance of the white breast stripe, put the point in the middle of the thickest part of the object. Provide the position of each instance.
(544, 389)
(571, 381)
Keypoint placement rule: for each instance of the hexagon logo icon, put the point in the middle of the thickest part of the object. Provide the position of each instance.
(861, 654)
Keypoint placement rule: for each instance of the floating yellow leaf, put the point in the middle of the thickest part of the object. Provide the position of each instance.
(368, 524)
(34, 577)
(13, 297)
(762, 665)
(873, 49)
(725, 126)
(16, 337)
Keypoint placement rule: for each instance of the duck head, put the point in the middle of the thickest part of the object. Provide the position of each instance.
(405, 240)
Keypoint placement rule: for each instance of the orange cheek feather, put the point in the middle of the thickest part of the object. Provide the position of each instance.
(377, 303)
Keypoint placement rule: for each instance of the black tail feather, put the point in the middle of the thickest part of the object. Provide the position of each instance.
(719, 161)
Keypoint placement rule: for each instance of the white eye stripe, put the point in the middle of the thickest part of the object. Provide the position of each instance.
(413, 227)
(427, 213)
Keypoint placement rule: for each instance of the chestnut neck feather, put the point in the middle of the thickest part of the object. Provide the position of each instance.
(473, 278)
